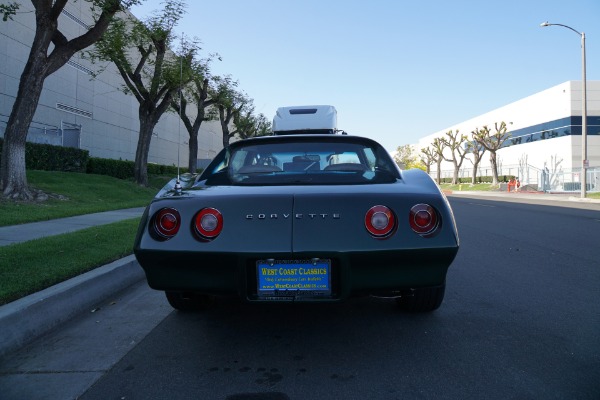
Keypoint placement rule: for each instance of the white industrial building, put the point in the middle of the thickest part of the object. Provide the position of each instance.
(545, 133)
(82, 111)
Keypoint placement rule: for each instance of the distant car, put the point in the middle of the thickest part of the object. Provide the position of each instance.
(300, 218)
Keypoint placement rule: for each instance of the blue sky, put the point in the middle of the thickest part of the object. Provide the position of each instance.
(395, 70)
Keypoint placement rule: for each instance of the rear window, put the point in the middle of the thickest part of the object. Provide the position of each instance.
(305, 163)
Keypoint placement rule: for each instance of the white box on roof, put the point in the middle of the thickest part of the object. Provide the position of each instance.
(305, 119)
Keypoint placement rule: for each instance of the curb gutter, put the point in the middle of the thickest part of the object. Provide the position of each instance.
(550, 197)
(28, 318)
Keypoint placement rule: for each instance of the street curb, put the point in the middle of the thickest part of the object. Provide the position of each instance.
(550, 198)
(584, 200)
(28, 318)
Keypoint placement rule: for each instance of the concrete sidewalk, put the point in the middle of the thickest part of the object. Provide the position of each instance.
(31, 317)
(26, 319)
(35, 230)
(555, 199)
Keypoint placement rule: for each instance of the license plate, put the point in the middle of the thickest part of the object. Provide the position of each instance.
(284, 279)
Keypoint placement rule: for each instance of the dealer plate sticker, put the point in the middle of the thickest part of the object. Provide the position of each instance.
(294, 277)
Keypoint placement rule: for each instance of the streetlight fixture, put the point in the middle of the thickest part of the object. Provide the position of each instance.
(584, 160)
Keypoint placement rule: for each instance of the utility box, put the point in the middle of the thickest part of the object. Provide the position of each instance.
(305, 120)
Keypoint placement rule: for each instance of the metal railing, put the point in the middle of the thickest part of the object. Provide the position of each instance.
(539, 179)
(67, 135)
(570, 181)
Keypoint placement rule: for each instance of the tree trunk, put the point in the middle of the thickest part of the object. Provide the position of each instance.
(455, 175)
(474, 176)
(439, 172)
(225, 140)
(13, 176)
(224, 125)
(494, 163)
(193, 148)
(193, 132)
(143, 148)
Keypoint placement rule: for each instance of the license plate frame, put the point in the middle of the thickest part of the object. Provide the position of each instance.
(293, 279)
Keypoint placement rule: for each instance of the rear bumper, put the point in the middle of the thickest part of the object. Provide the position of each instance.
(352, 273)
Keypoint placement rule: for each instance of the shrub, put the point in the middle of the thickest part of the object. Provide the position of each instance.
(115, 168)
(125, 169)
(480, 179)
(47, 157)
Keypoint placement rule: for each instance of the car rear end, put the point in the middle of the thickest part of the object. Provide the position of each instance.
(342, 221)
(323, 245)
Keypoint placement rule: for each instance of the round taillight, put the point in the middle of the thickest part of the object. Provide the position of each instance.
(380, 221)
(167, 222)
(208, 223)
(423, 219)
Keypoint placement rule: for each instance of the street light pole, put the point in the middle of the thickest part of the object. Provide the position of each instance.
(584, 160)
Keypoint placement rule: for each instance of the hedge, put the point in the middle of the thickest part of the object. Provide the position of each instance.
(115, 168)
(56, 158)
(480, 179)
(47, 157)
(125, 169)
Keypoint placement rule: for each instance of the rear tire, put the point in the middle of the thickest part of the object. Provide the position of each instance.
(422, 299)
(189, 301)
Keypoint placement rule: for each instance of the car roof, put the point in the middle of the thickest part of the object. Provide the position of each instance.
(304, 138)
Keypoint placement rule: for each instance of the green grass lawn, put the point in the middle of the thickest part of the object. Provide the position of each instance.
(83, 193)
(26, 268)
(595, 195)
(469, 187)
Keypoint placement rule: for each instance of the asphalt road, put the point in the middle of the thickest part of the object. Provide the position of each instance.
(521, 320)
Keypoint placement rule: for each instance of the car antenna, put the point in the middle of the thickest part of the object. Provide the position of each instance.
(178, 182)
